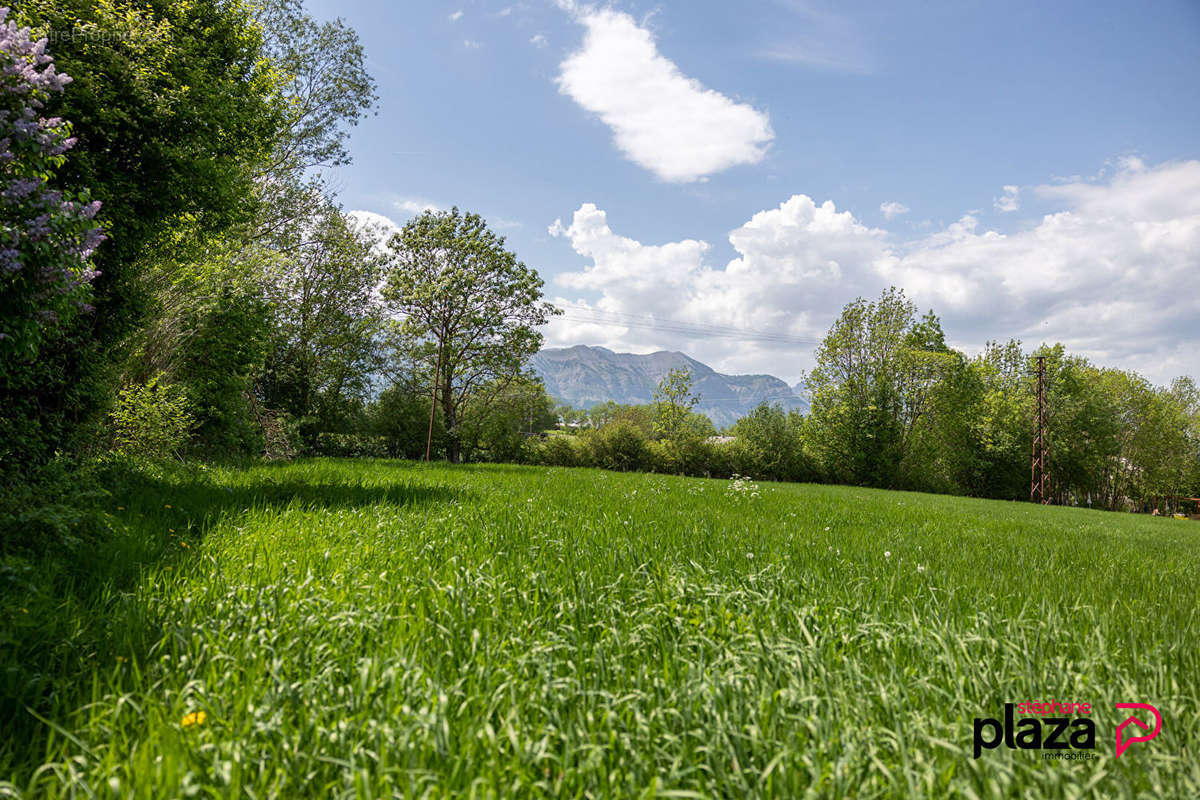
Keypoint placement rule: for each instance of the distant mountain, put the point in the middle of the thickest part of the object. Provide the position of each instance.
(584, 376)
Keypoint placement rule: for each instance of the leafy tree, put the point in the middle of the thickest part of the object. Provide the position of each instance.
(325, 81)
(173, 107)
(326, 319)
(864, 400)
(470, 311)
(673, 403)
(942, 452)
(501, 431)
(400, 414)
(46, 239)
(220, 357)
(1003, 428)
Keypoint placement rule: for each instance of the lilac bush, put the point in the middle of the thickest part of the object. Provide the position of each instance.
(46, 235)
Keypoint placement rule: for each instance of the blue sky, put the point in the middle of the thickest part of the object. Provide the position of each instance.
(676, 162)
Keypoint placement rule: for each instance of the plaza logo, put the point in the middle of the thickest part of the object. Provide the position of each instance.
(1066, 729)
(1123, 744)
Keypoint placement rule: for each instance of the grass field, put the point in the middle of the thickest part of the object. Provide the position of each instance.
(374, 629)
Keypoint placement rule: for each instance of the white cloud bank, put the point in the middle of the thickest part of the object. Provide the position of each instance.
(1112, 275)
(661, 119)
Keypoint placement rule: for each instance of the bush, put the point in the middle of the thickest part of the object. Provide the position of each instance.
(558, 450)
(351, 445)
(52, 511)
(401, 418)
(769, 445)
(47, 237)
(619, 446)
(220, 357)
(689, 454)
(152, 421)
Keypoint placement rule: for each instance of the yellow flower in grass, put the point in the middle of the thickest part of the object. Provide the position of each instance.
(194, 718)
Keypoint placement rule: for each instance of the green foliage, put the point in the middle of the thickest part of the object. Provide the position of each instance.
(640, 417)
(560, 450)
(769, 444)
(175, 110)
(50, 513)
(620, 446)
(673, 404)
(859, 407)
(152, 420)
(47, 238)
(219, 359)
(351, 445)
(401, 416)
(501, 431)
(470, 309)
(325, 317)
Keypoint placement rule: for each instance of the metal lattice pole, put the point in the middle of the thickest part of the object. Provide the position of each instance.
(1039, 482)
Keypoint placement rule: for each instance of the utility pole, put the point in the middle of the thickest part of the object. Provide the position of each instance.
(1040, 464)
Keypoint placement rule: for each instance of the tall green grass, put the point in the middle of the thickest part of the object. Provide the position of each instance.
(378, 628)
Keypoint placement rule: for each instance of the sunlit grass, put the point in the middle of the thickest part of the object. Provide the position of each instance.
(368, 629)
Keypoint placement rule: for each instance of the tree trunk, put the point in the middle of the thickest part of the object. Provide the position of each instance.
(453, 445)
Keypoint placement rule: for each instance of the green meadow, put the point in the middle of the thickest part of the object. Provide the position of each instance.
(377, 629)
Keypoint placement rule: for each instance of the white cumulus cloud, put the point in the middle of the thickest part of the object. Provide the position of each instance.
(892, 209)
(1110, 274)
(661, 119)
(412, 206)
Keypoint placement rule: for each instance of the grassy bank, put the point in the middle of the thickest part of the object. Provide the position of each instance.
(365, 629)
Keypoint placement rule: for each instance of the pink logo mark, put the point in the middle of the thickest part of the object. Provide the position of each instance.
(1123, 744)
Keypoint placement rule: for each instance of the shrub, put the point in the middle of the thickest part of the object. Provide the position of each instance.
(769, 445)
(221, 355)
(560, 451)
(351, 445)
(52, 510)
(152, 421)
(401, 417)
(47, 237)
(619, 446)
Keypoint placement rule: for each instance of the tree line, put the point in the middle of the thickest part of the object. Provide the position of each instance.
(894, 407)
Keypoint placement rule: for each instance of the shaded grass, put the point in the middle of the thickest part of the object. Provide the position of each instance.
(375, 628)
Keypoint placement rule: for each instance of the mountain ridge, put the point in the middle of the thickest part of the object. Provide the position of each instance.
(586, 375)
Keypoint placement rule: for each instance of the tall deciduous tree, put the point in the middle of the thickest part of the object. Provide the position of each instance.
(470, 311)
(673, 404)
(327, 316)
(873, 380)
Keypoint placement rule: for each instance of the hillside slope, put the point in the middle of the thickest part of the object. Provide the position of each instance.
(585, 376)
